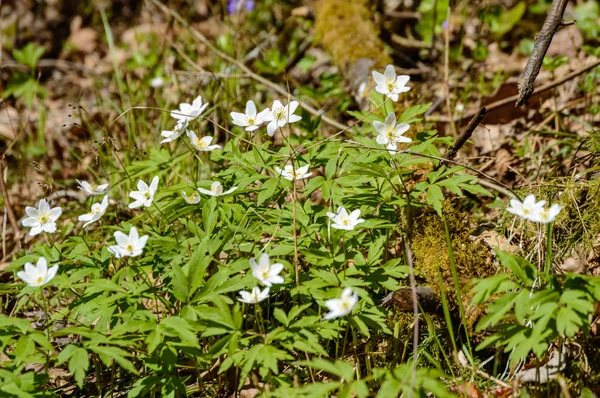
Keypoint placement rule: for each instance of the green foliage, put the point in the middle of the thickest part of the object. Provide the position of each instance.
(504, 21)
(26, 85)
(587, 15)
(528, 309)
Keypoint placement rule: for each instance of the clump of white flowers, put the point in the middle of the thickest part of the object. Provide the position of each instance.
(532, 210)
(251, 120)
(42, 219)
(202, 144)
(128, 246)
(39, 274)
(216, 189)
(280, 115)
(185, 114)
(256, 296)
(289, 173)
(265, 272)
(343, 220)
(91, 188)
(97, 211)
(390, 133)
(144, 195)
(342, 306)
(192, 199)
(389, 84)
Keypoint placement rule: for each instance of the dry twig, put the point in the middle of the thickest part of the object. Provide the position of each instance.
(542, 42)
(466, 134)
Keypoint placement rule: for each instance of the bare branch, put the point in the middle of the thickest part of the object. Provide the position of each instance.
(542, 42)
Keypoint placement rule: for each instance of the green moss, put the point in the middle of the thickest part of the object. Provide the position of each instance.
(347, 31)
(472, 257)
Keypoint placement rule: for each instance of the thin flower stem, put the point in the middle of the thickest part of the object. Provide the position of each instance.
(46, 328)
(355, 349)
(168, 223)
(260, 320)
(549, 248)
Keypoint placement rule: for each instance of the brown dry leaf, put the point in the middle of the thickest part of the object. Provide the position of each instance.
(249, 393)
(83, 39)
(9, 122)
(493, 240)
(503, 161)
(489, 138)
(576, 262)
(565, 42)
(498, 60)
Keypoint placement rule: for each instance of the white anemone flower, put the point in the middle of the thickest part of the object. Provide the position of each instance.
(172, 135)
(265, 272)
(39, 274)
(216, 189)
(144, 195)
(91, 188)
(342, 306)
(256, 296)
(289, 174)
(343, 220)
(546, 215)
(528, 209)
(42, 219)
(193, 199)
(279, 115)
(389, 84)
(157, 82)
(390, 133)
(98, 210)
(202, 144)
(251, 120)
(187, 112)
(128, 246)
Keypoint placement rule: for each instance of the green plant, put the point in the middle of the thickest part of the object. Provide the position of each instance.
(26, 85)
(528, 308)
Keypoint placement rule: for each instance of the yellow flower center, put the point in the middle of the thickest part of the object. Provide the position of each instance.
(129, 248)
(279, 113)
(250, 120)
(345, 221)
(201, 143)
(265, 274)
(39, 280)
(147, 194)
(43, 218)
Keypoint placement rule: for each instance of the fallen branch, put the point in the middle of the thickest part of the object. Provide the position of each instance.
(512, 98)
(540, 47)
(200, 37)
(466, 134)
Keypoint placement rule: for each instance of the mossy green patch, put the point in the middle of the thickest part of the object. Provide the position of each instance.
(347, 31)
(472, 257)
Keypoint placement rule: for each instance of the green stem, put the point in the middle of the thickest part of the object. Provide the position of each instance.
(549, 248)
(355, 349)
(456, 284)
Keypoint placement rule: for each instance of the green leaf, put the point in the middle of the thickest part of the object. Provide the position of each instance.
(108, 353)
(409, 115)
(179, 283)
(435, 197)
